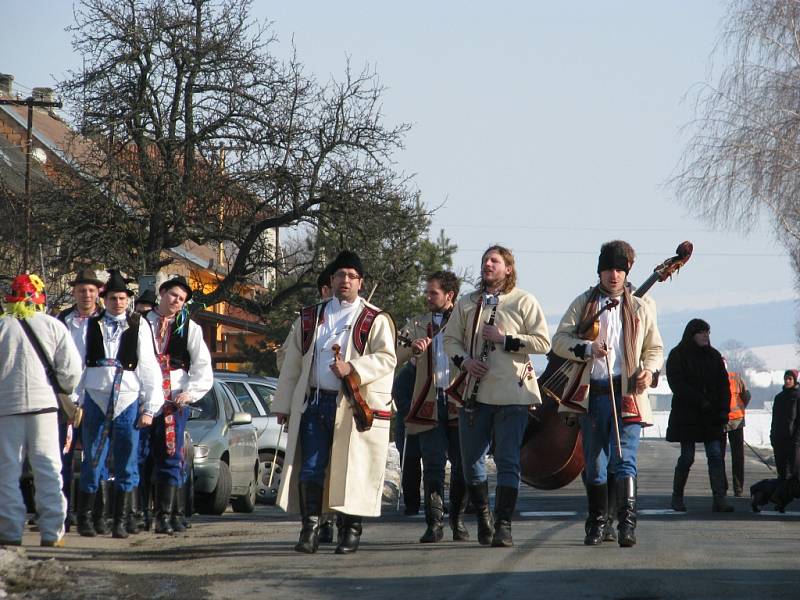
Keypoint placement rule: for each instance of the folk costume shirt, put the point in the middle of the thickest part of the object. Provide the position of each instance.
(441, 362)
(335, 329)
(199, 378)
(76, 326)
(145, 380)
(611, 333)
(511, 378)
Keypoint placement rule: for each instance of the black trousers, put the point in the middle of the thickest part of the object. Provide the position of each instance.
(736, 439)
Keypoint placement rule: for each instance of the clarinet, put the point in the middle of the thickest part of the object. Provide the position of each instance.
(471, 403)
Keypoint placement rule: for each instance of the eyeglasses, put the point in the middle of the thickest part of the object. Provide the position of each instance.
(346, 275)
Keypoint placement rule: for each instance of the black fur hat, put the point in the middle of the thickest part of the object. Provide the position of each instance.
(347, 260)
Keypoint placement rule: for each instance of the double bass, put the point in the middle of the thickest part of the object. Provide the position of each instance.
(551, 455)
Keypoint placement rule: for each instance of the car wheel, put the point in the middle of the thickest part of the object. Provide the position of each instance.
(269, 493)
(247, 503)
(217, 501)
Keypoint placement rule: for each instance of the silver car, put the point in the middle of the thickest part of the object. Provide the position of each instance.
(226, 466)
(254, 394)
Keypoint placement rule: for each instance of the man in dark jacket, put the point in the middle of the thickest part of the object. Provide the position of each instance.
(784, 433)
(700, 402)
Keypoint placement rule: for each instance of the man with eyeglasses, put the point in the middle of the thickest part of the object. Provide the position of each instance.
(341, 338)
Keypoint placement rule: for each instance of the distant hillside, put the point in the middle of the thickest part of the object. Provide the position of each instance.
(766, 324)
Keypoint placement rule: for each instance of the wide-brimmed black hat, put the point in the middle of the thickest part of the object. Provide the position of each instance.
(347, 260)
(147, 297)
(116, 283)
(180, 281)
(86, 276)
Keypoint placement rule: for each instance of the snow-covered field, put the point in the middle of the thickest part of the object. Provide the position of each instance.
(756, 430)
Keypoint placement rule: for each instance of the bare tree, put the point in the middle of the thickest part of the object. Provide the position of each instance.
(743, 159)
(739, 359)
(198, 132)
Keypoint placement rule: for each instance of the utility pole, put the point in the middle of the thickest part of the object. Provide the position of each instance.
(30, 102)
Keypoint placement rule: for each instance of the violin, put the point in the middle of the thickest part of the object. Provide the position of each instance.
(362, 413)
(406, 341)
(589, 329)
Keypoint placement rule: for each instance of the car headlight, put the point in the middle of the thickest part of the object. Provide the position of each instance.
(201, 451)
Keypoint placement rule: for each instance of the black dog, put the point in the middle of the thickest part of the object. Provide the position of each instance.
(779, 492)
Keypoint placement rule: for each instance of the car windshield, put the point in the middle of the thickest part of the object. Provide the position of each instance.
(205, 408)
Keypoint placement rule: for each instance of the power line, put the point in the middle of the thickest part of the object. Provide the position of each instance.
(574, 228)
(591, 253)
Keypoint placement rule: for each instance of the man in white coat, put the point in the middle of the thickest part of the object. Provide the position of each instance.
(29, 410)
(331, 464)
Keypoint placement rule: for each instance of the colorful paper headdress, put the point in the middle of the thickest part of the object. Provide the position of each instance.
(27, 296)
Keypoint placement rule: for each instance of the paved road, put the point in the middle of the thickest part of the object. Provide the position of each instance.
(696, 555)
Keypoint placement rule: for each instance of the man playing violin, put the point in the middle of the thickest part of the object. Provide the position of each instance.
(432, 415)
(333, 464)
(489, 336)
(618, 363)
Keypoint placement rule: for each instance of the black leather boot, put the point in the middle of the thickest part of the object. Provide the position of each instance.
(144, 505)
(178, 515)
(626, 511)
(678, 484)
(103, 509)
(597, 496)
(412, 476)
(479, 497)
(434, 513)
(458, 502)
(85, 521)
(505, 500)
(133, 520)
(351, 535)
(122, 507)
(310, 509)
(609, 533)
(326, 528)
(165, 497)
(719, 487)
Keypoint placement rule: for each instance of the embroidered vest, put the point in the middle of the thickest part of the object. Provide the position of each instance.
(177, 348)
(312, 316)
(126, 354)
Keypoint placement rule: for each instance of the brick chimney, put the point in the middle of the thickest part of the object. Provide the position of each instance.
(45, 94)
(6, 84)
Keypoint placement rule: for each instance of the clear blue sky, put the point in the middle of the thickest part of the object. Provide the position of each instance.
(548, 127)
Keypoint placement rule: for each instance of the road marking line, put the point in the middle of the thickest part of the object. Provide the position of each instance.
(548, 513)
(661, 511)
(775, 513)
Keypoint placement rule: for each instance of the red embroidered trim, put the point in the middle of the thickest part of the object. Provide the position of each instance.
(309, 322)
(362, 327)
(383, 415)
